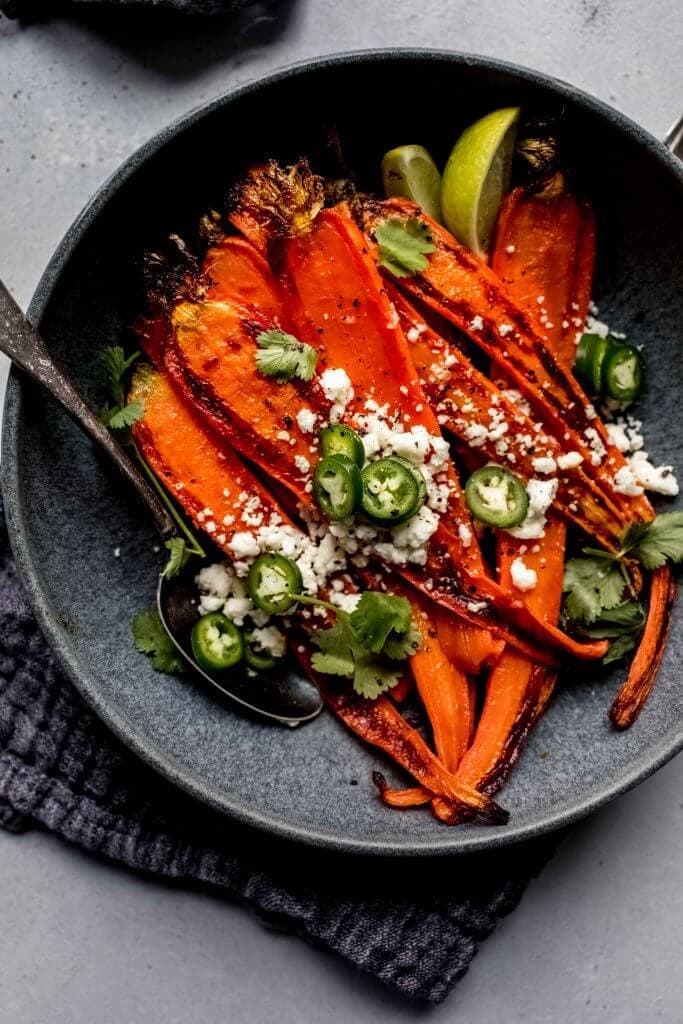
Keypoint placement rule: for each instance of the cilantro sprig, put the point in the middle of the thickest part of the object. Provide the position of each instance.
(367, 644)
(117, 413)
(283, 356)
(404, 245)
(150, 638)
(599, 592)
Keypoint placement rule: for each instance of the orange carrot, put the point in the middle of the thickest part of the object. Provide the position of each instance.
(630, 700)
(556, 236)
(471, 406)
(186, 459)
(461, 288)
(469, 649)
(378, 722)
(444, 691)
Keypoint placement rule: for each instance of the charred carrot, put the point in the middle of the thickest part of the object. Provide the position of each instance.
(207, 482)
(458, 286)
(338, 305)
(444, 691)
(545, 246)
(493, 422)
(379, 723)
(645, 665)
(469, 649)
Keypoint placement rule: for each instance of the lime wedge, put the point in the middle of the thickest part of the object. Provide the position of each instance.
(476, 177)
(409, 171)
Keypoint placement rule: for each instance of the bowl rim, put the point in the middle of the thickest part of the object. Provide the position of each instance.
(447, 841)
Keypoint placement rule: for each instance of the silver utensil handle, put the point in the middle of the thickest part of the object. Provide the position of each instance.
(674, 138)
(24, 346)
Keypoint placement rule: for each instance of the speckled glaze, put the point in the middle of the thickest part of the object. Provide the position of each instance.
(67, 510)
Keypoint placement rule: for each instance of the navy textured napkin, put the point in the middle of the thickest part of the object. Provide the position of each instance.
(29, 9)
(414, 928)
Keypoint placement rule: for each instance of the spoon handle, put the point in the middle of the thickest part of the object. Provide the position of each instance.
(24, 346)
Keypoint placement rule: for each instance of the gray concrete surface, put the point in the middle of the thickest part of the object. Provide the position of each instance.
(599, 937)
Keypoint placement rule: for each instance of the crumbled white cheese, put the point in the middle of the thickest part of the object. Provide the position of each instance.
(337, 388)
(244, 545)
(302, 463)
(545, 465)
(347, 602)
(505, 329)
(541, 495)
(523, 578)
(625, 482)
(477, 323)
(465, 534)
(597, 448)
(306, 420)
(660, 479)
(570, 461)
(270, 640)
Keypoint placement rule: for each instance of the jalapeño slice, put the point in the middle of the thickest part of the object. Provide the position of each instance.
(338, 439)
(497, 497)
(623, 373)
(216, 642)
(272, 581)
(257, 657)
(591, 353)
(337, 486)
(391, 491)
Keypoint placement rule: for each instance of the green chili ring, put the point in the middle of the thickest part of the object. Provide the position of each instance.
(338, 439)
(391, 492)
(272, 582)
(337, 486)
(623, 373)
(217, 643)
(497, 497)
(257, 658)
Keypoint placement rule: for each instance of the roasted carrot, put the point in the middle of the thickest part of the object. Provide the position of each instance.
(494, 423)
(443, 690)
(204, 479)
(556, 235)
(378, 722)
(645, 665)
(469, 649)
(507, 702)
(457, 285)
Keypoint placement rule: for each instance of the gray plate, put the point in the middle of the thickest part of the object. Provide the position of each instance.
(67, 512)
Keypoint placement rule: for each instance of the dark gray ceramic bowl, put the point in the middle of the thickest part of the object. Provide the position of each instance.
(67, 511)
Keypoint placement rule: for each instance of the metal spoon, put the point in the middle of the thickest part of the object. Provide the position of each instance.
(282, 697)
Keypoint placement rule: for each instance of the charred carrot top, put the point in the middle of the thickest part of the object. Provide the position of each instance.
(458, 286)
(545, 245)
(209, 482)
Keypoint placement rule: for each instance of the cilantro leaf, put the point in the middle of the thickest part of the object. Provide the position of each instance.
(338, 646)
(625, 618)
(378, 615)
(620, 647)
(591, 585)
(359, 645)
(403, 245)
(404, 645)
(115, 367)
(120, 417)
(178, 557)
(283, 356)
(371, 678)
(655, 542)
(150, 638)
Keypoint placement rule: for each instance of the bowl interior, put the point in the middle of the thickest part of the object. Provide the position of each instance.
(68, 512)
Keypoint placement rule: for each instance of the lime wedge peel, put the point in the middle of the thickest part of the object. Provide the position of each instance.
(476, 177)
(409, 171)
